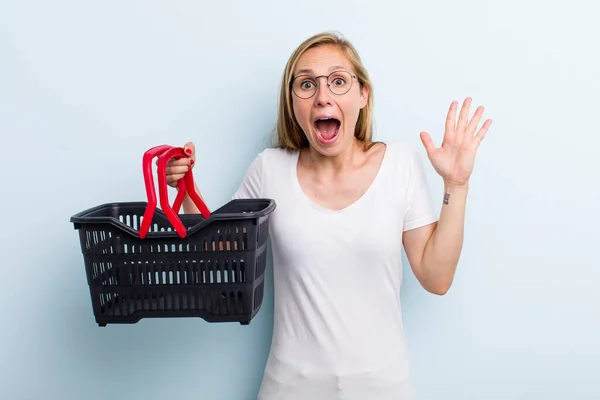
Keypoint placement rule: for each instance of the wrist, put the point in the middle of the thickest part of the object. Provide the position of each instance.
(455, 187)
(454, 192)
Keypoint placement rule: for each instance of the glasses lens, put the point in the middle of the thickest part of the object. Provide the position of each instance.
(304, 86)
(340, 82)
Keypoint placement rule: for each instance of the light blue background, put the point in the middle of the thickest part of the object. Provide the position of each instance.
(86, 87)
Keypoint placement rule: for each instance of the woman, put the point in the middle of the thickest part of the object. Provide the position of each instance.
(345, 207)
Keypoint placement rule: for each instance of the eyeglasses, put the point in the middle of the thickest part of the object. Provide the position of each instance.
(338, 82)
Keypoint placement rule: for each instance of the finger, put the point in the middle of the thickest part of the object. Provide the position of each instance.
(472, 126)
(173, 179)
(175, 170)
(428, 143)
(190, 149)
(179, 161)
(451, 118)
(463, 116)
(481, 134)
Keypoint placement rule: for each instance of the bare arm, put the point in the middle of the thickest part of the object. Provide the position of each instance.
(188, 205)
(433, 251)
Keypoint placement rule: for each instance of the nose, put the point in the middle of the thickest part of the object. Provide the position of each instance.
(323, 95)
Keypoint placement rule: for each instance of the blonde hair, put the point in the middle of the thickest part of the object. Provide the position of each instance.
(289, 134)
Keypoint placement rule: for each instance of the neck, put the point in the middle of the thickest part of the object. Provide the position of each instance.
(339, 163)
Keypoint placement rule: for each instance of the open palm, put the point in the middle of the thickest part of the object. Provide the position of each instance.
(455, 158)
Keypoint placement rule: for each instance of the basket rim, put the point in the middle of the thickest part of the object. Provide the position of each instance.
(83, 218)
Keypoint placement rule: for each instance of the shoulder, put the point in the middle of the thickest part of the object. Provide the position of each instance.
(274, 156)
(265, 169)
(402, 154)
(407, 167)
(268, 158)
(267, 161)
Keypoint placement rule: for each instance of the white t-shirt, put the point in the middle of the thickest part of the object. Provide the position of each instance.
(338, 331)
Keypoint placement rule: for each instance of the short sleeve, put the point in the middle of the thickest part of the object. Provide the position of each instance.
(251, 186)
(419, 208)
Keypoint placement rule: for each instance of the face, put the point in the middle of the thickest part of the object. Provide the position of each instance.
(327, 119)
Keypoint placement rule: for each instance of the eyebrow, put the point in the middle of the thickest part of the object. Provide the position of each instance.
(310, 71)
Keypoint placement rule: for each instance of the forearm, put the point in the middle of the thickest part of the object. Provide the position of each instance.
(442, 252)
(188, 204)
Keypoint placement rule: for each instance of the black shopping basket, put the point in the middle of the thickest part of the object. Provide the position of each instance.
(143, 262)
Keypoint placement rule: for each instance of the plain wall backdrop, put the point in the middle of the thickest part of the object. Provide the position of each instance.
(86, 87)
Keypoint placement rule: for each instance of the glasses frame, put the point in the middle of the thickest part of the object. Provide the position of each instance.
(317, 80)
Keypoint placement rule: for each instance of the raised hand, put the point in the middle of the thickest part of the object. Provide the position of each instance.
(455, 158)
(177, 167)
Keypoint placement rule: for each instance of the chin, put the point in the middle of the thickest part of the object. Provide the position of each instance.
(334, 146)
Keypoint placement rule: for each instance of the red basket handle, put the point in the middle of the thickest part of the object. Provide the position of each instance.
(165, 153)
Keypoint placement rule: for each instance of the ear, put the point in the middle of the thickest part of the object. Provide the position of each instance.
(364, 96)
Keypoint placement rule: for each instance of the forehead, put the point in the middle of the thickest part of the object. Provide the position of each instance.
(321, 61)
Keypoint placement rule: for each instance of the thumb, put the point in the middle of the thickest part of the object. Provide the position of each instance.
(427, 142)
(190, 150)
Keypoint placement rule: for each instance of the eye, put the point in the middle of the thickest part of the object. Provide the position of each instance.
(306, 85)
(339, 81)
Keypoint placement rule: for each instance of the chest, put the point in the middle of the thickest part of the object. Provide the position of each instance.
(336, 191)
(366, 233)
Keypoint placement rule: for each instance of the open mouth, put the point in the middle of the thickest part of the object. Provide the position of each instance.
(327, 129)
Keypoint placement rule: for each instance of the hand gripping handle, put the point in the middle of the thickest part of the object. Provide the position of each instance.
(164, 154)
